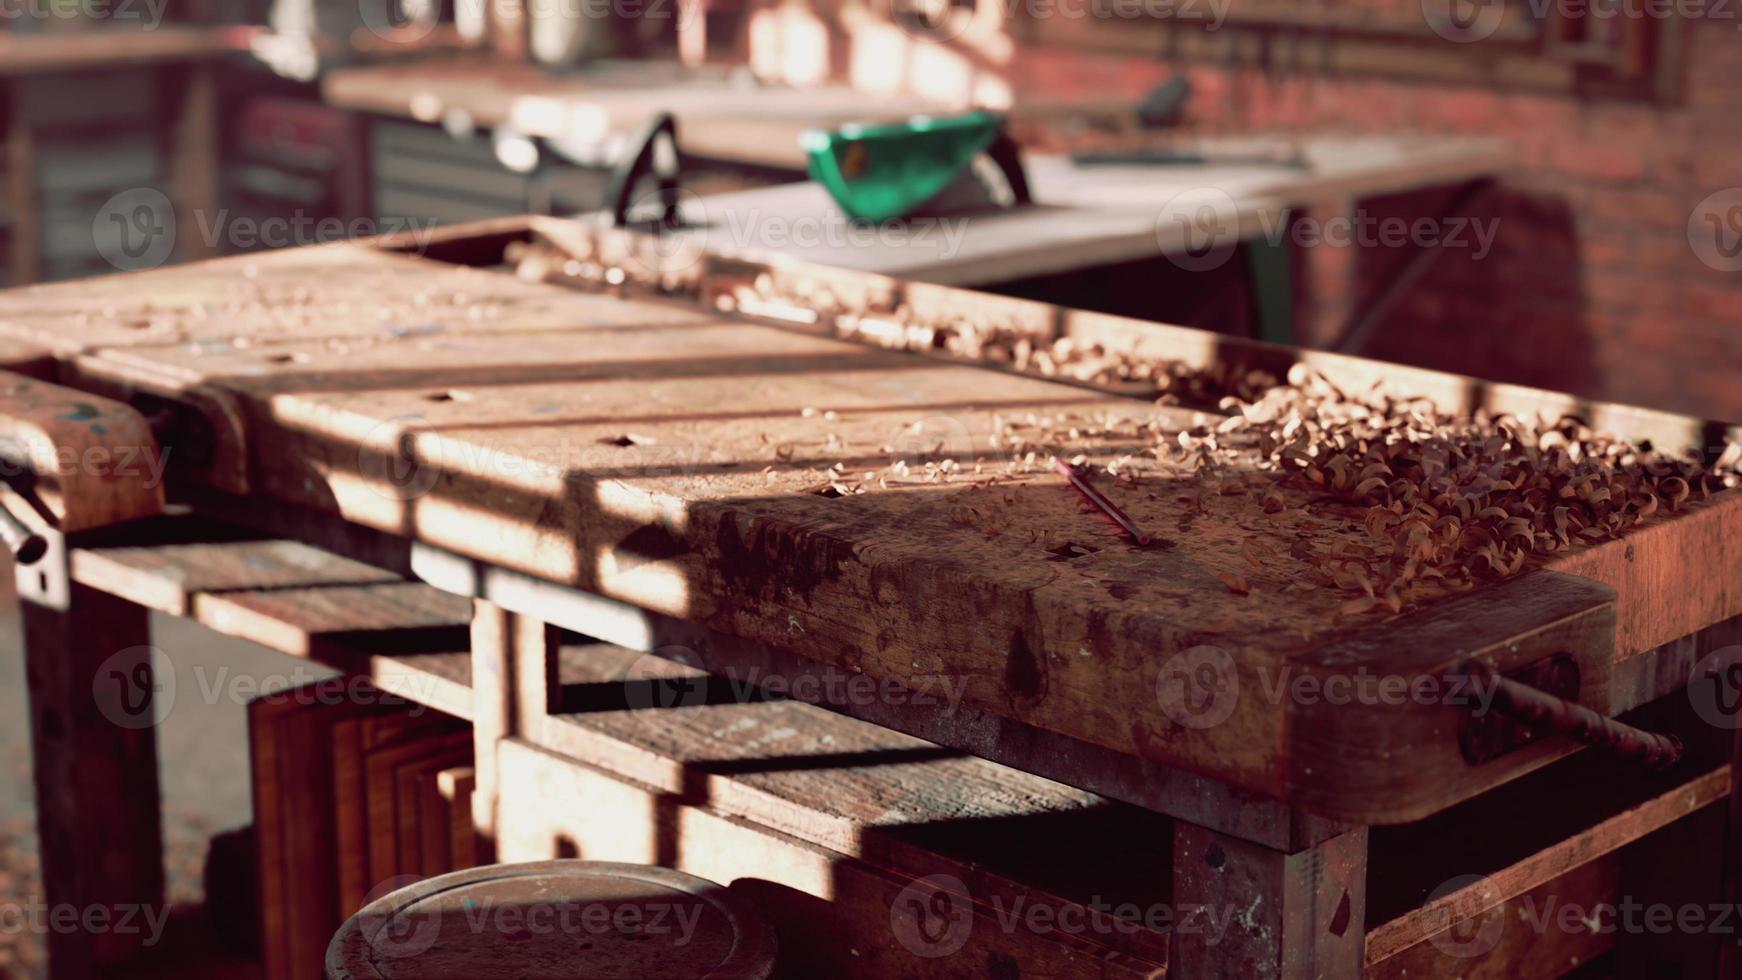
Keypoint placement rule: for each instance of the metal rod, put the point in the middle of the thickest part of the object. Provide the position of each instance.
(26, 545)
(1095, 497)
(1409, 272)
(1544, 711)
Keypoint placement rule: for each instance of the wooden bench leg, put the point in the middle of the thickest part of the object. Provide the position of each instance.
(1730, 945)
(95, 751)
(514, 687)
(1247, 912)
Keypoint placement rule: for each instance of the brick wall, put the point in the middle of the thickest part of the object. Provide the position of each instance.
(1593, 285)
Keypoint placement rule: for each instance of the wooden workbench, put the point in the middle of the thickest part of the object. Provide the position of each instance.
(1087, 216)
(719, 117)
(654, 471)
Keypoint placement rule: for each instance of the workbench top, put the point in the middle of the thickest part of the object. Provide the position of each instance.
(96, 48)
(1085, 216)
(720, 116)
(888, 513)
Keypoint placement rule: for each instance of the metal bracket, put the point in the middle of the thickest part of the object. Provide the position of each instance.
(47, 582)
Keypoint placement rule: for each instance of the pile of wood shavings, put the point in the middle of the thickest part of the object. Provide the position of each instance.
(1446, 501)
(987, 338)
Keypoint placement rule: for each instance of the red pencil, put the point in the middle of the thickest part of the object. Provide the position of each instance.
(1095, 497)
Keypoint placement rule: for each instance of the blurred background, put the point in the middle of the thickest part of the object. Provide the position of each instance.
(1600, 149)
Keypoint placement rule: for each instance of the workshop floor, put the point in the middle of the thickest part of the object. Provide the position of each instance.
(203, 743)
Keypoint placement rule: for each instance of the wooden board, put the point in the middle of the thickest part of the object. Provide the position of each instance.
(455, 787)
(353, 742)
(674, 466)
(387, 859)
(406, 638)
(425, 831)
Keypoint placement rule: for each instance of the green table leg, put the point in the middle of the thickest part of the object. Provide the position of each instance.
(1272, 288)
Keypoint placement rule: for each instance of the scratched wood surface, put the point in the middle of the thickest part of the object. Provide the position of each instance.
(682, 462)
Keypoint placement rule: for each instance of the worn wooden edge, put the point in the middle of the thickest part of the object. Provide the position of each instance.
(1446, 911)
(136, 573)
(91, 461)
(1519, 948)
(1382, 747)
(217, 455)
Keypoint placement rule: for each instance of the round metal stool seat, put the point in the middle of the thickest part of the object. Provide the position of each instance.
(555, 919)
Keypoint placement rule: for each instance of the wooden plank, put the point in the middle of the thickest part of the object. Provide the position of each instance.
(380, 768)
(167, 577)
(1486, 892)
(835, 915)
(407, 639)
(417, 804)
(350, 816)
(434, 828)
(355, 294)
(308, 822)
(310, 784)
(353, 742)
(1524, 936)
(456, 787)
(333, 622)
